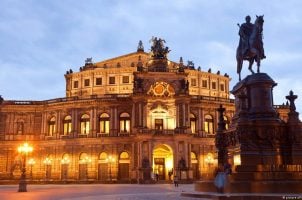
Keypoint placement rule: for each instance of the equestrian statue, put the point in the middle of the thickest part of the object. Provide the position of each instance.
(250, 46)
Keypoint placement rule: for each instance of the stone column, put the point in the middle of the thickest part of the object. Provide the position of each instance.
(59, 125)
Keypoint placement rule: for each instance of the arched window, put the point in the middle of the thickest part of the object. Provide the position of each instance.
(193, 123)
(65, 159)
(104, 123)
(124, 156)
(227, 122)
(103, 156)
(124, 123)
(51, 126)
(84, 158)
(67, 125)
(193, 157)
(209, 124)
(85, 124)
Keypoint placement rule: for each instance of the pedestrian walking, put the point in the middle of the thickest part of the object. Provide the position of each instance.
(220, 179)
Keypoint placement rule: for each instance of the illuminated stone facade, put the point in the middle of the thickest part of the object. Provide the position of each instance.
(124, 119)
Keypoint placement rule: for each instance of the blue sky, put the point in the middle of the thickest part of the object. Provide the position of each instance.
(40, 40)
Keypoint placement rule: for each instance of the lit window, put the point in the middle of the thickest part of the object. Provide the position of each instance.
(75, 84)
(193, 123)
(209, 124)
(226, 121)
(124, 155)
(104, 123)
(67, 125)
(85, 124)
(125, 79)
(124, 123)
(193, 158)
(112, 80)
(51, 126)
(98, 81)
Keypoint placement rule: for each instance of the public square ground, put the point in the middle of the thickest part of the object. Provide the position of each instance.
(97, 191)
(125, 192)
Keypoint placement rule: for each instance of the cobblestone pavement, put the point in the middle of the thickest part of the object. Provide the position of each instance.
(97, 192)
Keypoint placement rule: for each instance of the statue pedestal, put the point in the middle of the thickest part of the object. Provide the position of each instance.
(263, 145)
(158, 65)
(265, 151)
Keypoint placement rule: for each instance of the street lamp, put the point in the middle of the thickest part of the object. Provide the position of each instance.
(110, 160)
(24, 150)
(31, 162)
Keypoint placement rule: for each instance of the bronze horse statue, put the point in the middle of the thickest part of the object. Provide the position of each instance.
(255, 51)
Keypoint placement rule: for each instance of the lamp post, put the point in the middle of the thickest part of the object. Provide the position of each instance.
(110, 160)
(24, 150)
(31, 162)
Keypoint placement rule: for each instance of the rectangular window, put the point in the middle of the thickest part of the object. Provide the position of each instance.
(204, 83)
(125, 126)
(193, 126)
(75, 84)
(221, 87)
(112, 80)
(214, 85)
(67, 128)
(98, 81)
(125, 79)
(104, 126)
(85, 127)
(52, 129)
(193, 82)
(87, 82)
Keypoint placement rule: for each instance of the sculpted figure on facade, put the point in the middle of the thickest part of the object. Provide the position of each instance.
(291, 97)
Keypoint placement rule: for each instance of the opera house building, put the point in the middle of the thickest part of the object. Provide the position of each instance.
(132, 118)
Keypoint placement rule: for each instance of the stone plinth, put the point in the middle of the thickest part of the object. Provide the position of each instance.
(267, 147)
(158, 65)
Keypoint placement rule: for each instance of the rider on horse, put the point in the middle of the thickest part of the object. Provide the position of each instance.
(245, 32)
(250, 46)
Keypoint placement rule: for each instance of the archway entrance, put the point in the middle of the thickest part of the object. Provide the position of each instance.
(163, 162)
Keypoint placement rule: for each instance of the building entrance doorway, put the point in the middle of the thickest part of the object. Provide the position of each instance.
(159, 124)
(163, 162)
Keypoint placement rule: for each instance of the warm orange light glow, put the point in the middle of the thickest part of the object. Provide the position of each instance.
(25, 148)
(237, 160)
(65, 160)
(209, 159)
(85, 160)
(110, 159)
(47, 161)
(31, 161)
